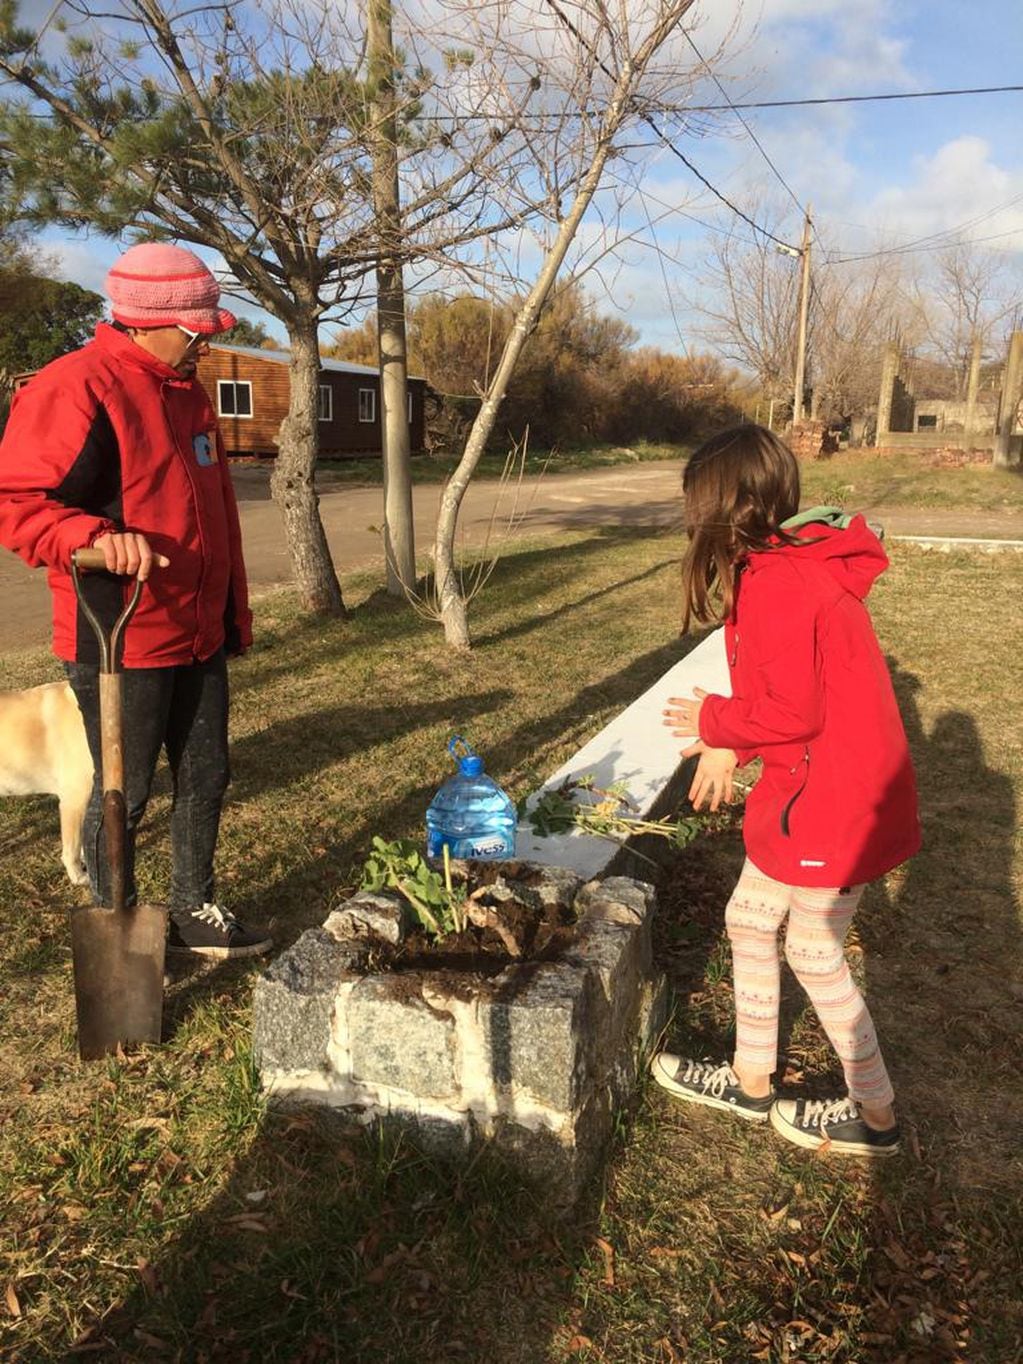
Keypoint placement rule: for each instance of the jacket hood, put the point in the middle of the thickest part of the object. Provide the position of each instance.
(845, 545)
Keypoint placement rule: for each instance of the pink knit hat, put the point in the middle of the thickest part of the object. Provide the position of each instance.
(155, 284)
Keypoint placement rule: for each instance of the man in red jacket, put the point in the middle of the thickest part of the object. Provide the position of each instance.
(116, 446)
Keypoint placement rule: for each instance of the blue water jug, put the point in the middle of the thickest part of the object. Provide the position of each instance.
(470, 813)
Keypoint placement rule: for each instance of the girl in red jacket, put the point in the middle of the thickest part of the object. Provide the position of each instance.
(836, 804)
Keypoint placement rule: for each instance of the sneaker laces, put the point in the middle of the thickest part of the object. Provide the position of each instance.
(217, 916)
(713, 1078)
(823, 1113)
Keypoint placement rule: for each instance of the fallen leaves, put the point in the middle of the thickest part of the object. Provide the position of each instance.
(11, 1298)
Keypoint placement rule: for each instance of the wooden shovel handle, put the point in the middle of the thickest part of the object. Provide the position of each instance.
(91, 560)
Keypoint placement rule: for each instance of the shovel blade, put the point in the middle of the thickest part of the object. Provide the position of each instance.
(118, 962)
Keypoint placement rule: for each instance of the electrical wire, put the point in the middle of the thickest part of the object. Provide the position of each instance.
(750, 133)
(851, 99)
(663, 138)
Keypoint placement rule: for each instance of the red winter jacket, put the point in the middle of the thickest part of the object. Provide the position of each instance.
(110, 438)
(836, 804)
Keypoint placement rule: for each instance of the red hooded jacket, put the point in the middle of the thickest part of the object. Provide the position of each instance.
(110, 438)
(811, 696)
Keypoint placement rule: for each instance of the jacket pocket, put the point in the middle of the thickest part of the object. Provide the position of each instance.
(788, 806)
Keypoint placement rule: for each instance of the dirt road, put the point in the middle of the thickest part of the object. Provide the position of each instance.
(633, 495)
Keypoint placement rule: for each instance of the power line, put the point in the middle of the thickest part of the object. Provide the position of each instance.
(850, 99)
(752, 135)
(925, 244)
(734, 106)
(662, 137)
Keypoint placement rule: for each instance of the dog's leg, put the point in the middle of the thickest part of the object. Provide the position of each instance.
(72, 815)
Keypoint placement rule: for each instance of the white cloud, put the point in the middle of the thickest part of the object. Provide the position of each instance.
(960, 184)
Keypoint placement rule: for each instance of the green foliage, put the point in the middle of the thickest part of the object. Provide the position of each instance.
(437, 902)
(246, 333)
(579, 381)
(40, 319)
(606, 812)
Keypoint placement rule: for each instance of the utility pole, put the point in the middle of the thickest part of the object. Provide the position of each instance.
(804, 312)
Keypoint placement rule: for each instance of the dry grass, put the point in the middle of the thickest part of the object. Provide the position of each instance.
(153, 1209)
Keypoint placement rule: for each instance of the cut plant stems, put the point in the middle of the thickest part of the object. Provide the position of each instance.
(607, 812)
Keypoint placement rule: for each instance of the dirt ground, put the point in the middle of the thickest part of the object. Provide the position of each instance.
(643, 495)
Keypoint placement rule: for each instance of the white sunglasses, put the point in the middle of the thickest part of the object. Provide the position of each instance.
(193, 337)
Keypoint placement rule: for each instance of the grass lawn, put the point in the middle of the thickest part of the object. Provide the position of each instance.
(153, 1208)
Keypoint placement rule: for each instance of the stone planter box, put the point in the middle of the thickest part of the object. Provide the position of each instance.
(533, 1060)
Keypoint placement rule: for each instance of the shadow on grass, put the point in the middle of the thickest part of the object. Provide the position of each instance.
(942, 954)
(303, 642)
(330, 1246)
(293, 750)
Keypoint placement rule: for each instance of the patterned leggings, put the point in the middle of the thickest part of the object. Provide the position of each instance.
(818, 922)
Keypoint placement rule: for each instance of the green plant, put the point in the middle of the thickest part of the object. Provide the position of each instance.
(606, 812)
(438, 903)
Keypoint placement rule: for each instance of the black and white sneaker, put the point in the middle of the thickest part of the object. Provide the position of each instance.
(212, 931)
(713, 1083)
(835, 1123)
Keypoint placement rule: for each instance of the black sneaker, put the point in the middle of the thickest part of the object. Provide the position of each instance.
(213, 932)
(713, 1083)
(835, 1123)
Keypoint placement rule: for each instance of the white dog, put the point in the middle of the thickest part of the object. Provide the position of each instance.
(43, 750)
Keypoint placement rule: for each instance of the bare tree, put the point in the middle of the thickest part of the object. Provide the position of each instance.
(602, 67)
(966, 299)
(748, 298)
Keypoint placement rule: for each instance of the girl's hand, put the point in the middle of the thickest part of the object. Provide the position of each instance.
(713, 779)
(684, 716)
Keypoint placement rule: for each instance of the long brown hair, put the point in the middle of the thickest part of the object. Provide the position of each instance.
(739, 487)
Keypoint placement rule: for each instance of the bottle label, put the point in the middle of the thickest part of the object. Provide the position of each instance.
(482, 846)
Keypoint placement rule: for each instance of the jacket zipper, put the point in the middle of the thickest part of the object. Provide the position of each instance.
(787, 811)
(735, 650)
(198, 517)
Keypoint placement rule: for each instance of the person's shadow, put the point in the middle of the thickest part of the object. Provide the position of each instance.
(943, 967)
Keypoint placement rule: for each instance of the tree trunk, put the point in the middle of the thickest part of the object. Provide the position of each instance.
(451, 603)
(399, 532)
(293, 482)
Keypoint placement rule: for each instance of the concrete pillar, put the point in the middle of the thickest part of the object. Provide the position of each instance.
(889, 373)
(969, 421)
(1006, 453)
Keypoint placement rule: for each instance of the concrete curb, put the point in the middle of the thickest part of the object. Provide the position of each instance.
(950, 542)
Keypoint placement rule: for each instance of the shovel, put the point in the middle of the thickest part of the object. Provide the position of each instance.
(117, 950)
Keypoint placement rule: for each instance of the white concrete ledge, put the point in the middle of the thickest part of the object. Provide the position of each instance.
(636, 749)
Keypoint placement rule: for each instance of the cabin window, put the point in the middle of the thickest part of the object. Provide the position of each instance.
(326, 407)
(927, 420)
(234, 398)
(367, 405)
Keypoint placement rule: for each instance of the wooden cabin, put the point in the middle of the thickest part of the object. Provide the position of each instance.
(248, 389)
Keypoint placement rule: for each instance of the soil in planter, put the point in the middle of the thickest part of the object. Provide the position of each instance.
(542, 931)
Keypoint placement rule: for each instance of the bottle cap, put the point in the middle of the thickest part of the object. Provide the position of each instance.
(471, 765)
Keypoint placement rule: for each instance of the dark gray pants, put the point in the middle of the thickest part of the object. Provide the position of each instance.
(182, 710)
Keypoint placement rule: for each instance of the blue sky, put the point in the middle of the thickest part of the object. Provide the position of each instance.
(876, 173)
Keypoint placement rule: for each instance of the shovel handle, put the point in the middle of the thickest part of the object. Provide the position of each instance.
(110, 720)
(92, 560)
